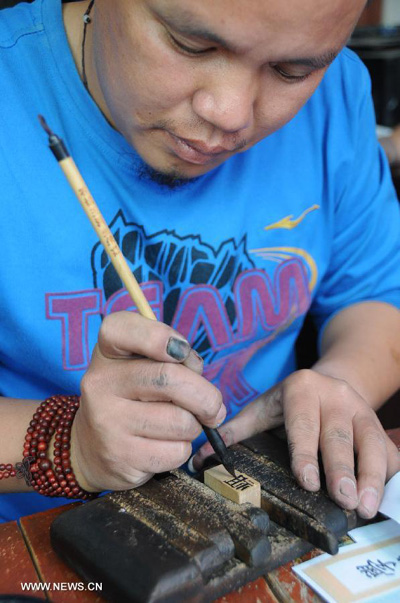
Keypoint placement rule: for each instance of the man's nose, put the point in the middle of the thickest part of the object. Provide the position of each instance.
(227, 101)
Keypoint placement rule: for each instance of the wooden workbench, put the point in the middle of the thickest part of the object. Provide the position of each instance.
(26, 555)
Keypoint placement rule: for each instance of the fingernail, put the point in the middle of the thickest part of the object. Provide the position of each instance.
(178, 349)
(196, 463)
(369, 501)
(348, 488)
(194, 362)
(190, 466)
(221, 415)
(311, 476)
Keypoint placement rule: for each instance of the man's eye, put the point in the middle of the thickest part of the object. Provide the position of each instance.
(290, 77)
(188, 49)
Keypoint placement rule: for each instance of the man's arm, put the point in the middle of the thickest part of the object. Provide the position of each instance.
(15, 416)
(330, 408)
(361, 345)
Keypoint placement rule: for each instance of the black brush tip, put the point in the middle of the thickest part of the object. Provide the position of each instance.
(45, 126)
(229, 467)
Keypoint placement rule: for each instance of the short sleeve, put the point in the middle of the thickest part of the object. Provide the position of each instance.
(364, 262)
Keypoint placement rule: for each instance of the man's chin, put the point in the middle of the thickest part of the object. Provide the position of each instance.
(178, 174)
(171, 178)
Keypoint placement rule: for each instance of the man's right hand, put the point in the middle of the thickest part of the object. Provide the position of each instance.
(140, 406)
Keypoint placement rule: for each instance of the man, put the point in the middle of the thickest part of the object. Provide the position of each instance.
(231, 148)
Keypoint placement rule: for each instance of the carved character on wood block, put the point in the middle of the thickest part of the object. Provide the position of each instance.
(239, 489)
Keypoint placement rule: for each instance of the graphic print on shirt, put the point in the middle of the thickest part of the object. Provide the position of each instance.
(219, 299)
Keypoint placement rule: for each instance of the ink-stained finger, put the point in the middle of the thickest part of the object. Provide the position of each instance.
(156, 456)
(127, 334)
(148, 381)
(371, 445)
(138, 460)
(162, 421)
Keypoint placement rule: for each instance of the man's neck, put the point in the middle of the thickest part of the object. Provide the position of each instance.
(74, 26)
(73, 22)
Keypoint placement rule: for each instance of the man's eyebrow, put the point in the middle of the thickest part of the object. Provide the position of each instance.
(315, 62)
(185, 24)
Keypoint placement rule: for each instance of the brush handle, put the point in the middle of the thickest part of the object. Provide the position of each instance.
(105, 235)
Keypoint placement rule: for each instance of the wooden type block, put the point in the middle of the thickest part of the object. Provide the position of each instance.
(15, 562)
(276, 481)
(106, 544)
(239, 489)
(180, 535)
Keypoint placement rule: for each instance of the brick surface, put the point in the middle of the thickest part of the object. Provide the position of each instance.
(15, 562)
(254, 592)
(288, 587)
(36, 529)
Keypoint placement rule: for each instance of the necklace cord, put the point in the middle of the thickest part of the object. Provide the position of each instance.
(86, 20)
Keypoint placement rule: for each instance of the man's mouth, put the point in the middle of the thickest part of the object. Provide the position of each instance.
(196, 151)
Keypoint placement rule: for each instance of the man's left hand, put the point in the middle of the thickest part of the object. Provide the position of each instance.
(326, 413)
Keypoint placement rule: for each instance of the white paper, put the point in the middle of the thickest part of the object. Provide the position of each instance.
(390, 504)
(359, 572)
(374, 532)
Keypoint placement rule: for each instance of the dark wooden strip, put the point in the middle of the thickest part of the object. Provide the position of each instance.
(169, 494)
(276, 481)
(272, 447)
(106, 544)
(258, 517)
(299, 523)
(180, 535)
(285, 546)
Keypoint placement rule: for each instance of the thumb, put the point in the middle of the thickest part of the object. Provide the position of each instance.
(265, 412)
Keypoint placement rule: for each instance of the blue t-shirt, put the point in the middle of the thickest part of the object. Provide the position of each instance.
(306, 220)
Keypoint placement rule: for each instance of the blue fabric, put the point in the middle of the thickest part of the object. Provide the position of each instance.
(305, 220)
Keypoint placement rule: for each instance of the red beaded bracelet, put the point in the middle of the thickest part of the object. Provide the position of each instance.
(7, 471)
(53, 416)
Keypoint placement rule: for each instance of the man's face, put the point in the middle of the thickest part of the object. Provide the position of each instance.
(189, 83)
